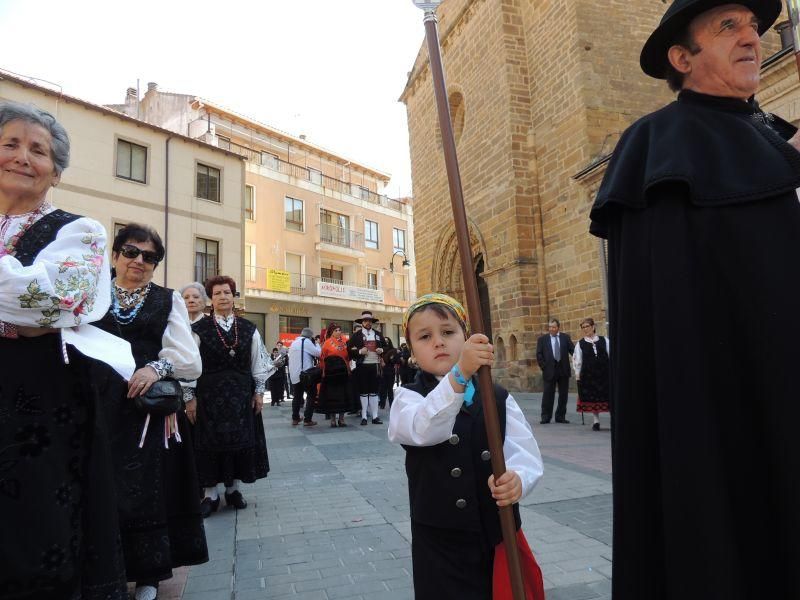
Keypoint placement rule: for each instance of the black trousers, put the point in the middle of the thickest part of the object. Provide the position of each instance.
(450, 564)
(287, 383)
(562, 381)
(386, 389)
(276, 387)
(298, 392)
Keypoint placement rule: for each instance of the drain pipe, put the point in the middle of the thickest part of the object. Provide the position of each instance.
(166, 206)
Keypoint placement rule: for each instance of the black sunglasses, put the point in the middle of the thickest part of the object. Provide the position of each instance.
(151, 258)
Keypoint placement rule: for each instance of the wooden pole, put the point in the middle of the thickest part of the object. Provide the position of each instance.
(793, 8)
(485, 385)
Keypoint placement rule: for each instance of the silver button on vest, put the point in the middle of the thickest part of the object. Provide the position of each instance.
(486, 455)
(461, 503)
(454, 439)
(456, 472)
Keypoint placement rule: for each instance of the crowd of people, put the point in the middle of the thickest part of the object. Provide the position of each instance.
(124, 405)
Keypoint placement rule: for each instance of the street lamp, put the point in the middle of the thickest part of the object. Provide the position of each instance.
(406, 262)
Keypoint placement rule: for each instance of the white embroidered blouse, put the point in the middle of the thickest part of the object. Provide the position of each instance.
(67, 286)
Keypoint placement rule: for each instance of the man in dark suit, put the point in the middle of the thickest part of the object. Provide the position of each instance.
(552, 354)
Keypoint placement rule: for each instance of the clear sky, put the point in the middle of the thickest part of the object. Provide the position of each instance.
(330, 69)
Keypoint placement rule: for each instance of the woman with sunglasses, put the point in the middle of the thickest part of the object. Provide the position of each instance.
(590, 361)
(158, 503)
(58, 524)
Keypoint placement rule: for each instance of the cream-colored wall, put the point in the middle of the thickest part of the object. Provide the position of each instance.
(90, 187)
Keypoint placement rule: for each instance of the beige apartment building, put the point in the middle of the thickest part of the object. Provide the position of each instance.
(322, 240)
(123, 170)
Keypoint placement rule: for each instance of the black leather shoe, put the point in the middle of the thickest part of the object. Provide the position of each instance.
(377, 421)
(363, 421)
(207, 506)
(596, 427)
(562, 421)
(543, 422)
(235, 500)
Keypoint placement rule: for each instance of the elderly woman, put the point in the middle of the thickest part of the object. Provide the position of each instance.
(159, 508)
(195, 298)
(335, 389)
(230, 445)
(58, 524)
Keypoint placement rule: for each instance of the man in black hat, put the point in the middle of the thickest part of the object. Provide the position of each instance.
(700, 210)
(366, 347)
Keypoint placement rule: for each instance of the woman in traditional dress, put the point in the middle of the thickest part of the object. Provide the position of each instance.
(590, 361)
(335, 392)
(230, 445)
(159, 507)
(194, 296)
(59, 536)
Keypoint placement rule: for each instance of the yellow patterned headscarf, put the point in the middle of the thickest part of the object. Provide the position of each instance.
(429, 299)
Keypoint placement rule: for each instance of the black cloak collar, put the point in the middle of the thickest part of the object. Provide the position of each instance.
(725, 151)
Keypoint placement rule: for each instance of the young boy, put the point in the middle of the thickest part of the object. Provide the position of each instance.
(455, 525)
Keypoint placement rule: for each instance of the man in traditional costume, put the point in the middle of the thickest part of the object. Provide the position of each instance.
(701, 214)
(366, 347)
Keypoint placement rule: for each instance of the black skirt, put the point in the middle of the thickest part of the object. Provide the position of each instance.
(335, 389)
(157, 492)
(59, 535)
(230, 442)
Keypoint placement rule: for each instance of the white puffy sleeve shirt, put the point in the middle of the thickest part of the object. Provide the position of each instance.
(426, 421)
(68, 284)
(179, 356)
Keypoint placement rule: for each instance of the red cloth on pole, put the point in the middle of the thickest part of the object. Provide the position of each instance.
(531, 573)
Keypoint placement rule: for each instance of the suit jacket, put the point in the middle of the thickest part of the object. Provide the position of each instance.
(357, 341)
(547, 362)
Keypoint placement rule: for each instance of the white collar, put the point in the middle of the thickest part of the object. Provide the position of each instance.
(225, 322)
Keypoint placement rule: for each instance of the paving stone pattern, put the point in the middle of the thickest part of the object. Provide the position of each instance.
(332, 519)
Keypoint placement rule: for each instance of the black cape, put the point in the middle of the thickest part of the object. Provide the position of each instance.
(703, 226)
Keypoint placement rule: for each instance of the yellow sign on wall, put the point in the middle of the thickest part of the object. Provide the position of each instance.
(278, 281)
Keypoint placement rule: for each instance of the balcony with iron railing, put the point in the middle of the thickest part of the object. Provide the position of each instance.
(300, 284)
(274, 163)
(333, 238)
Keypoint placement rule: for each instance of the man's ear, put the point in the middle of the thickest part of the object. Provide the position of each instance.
(679, 59)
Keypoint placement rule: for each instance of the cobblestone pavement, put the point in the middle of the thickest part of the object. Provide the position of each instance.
(331, 521)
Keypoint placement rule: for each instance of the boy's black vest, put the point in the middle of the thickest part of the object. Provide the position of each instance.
(448, 483)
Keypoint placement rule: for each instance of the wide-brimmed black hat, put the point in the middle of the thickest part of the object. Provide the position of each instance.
(653, 59)
(365, 314)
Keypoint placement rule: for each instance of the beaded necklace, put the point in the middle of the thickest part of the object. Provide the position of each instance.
(11, 246)
(134, 303)
(232, 348)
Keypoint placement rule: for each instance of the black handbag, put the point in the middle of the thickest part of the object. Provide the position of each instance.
(311, 376)
(163, 398)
